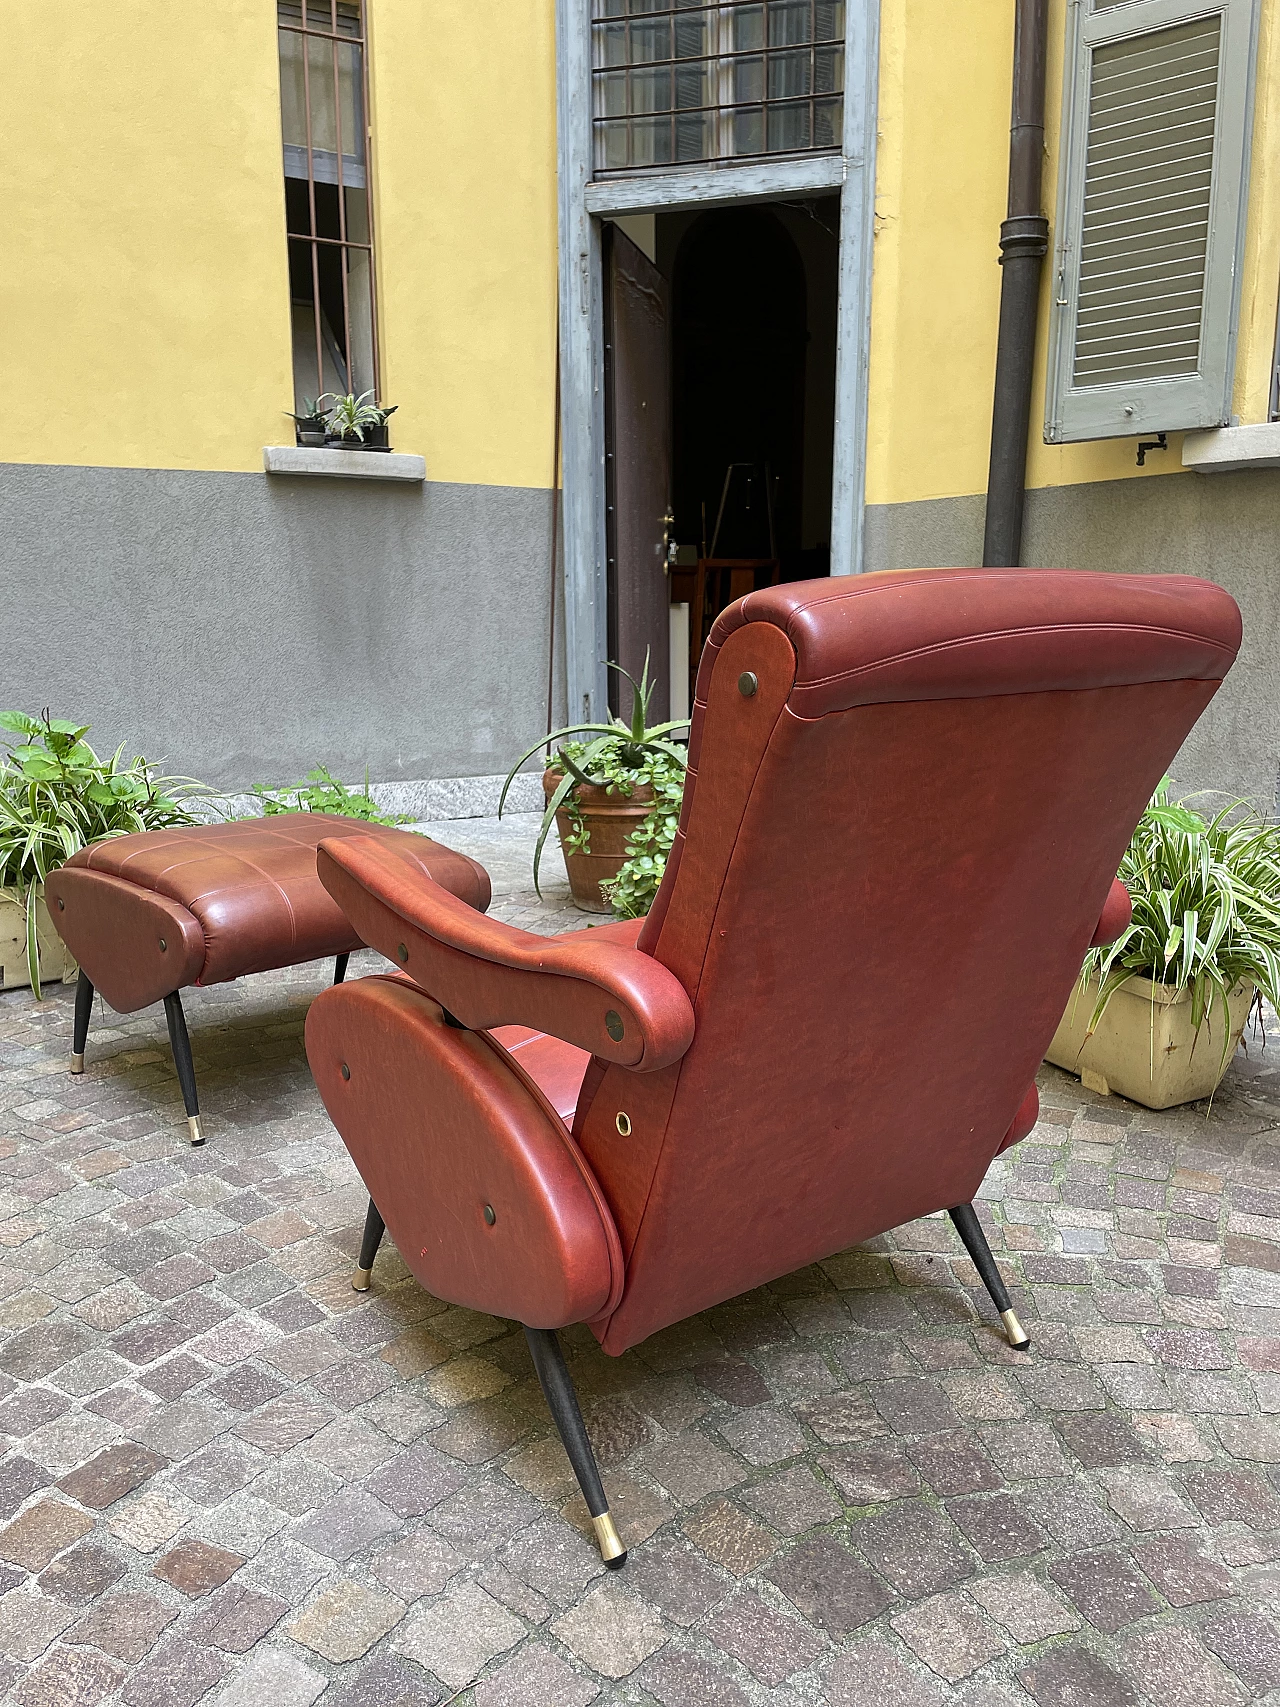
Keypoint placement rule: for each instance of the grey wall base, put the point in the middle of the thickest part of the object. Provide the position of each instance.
(426, 802)
(1221, 526)
(241, 628)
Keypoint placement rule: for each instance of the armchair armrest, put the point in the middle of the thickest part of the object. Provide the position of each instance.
(615, 1001)
(1116, 913)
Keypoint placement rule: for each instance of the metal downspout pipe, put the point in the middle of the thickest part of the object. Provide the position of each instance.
(1024, 242)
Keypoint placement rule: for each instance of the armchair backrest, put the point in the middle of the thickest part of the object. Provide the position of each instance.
(908, 796)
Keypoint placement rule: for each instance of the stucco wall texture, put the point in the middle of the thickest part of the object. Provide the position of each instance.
(240, 628)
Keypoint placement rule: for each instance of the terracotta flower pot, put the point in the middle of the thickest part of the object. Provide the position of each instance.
(609, 819)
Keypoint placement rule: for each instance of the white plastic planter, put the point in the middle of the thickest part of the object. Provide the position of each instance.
(1145, 1047)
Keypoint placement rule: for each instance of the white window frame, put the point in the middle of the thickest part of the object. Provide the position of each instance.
(1203, 399)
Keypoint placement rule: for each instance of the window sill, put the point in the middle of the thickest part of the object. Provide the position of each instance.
(343, 464)
(1222, 449)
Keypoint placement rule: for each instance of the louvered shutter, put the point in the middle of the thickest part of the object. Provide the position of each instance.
(1150, 216)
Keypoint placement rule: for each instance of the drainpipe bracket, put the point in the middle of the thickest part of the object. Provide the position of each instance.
(1026, 234)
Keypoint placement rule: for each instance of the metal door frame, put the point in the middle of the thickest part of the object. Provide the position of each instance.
(583, 204)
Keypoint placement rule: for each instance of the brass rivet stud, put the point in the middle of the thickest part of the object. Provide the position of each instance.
(62, 905)
(747, 683)
(346, 1071)
(403, 952)
(623, 1123)
(164, 946)
(613, 1025)
(490, 1214)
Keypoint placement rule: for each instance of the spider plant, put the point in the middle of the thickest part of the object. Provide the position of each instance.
(348, 416)
(57, 795)
(616, 755)
(1206, 909)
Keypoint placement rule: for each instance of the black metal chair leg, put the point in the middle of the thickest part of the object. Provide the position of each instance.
(374, 1228)
(340, 968)
(181, 1046)
(84, 1010)
(562, 1402)
(975, 1242)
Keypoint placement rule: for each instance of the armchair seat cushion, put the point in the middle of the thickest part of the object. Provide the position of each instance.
(149, 914)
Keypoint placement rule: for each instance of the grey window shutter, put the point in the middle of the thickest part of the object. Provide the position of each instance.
(1150, 224)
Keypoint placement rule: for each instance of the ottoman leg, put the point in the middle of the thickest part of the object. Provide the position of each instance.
(181, 1045)
(84, 1008)
(340, 968)
(374, 1228)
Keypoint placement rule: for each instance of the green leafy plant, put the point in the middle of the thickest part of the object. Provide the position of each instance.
(616, 755)
(313, 411)
(631, 892)
(324, 792)
(349, 415)
(57, 795)
(1206, 909)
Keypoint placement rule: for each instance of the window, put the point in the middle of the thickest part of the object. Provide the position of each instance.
(1150, 216)
(677, 81)
(327, 202)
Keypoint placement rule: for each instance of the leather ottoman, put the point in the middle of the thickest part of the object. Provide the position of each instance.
(148, 915)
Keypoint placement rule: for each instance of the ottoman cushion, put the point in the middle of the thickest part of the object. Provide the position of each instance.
(222, 899)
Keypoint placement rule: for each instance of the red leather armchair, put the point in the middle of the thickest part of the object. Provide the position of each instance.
(908, 793)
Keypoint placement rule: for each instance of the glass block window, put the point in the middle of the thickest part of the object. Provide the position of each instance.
(676, 82)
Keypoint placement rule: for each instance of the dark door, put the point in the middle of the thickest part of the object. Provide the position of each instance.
(638, 468)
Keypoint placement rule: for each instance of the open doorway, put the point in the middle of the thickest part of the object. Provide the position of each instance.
(739, 306)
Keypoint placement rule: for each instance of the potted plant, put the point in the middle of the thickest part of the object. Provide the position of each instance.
(357, 423)
(310, 427)
(56, 795)
(1158, 1013)
(600, 788)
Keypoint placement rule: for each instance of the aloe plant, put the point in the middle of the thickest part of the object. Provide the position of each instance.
(57, 795)
(616, 755)
(1206, 909)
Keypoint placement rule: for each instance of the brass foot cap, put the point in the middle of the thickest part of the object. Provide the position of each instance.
(612, 1551)
(360, 1279)
(77, 1061)
(195, 1129)
(1018, 1336)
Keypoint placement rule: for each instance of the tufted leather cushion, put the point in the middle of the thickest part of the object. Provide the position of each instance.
(225, 899)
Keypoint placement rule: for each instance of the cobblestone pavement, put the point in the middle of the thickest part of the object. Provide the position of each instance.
(229, 1478)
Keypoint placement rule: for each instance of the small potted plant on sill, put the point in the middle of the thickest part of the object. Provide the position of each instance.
(357, 423)
(57, 795)
(601, 790)
(1158, 1013)
(310, 427)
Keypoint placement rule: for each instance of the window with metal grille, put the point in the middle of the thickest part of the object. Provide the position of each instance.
(1150, 217)
(324, 105)
(681, 81)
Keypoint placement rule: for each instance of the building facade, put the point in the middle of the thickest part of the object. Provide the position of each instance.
(751, 246)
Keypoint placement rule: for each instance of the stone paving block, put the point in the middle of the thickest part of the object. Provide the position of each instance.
(535, 1677)
(1225, 1494)
(126, 1624)
(872, 1475)
(514, 1593)
(457, 1635)
(610, 1630)
(270, 1675)
(729, 1537)
(29, 1621)
(388, 1681)
(19, 1479)
(195, 1568)
(692, 1467)
(997, 1527)
(41, 1532)
(111, 1475)
(915, 1547)
(954, 1464)
(68, 1677)
(553, 1559)
(1105, 1589)
(771, 1645)
(1172, 1667)
(676, 1678)
(829, 1587)
(284, 1423)
(871, 1673)
(914, 1406)
(793, 1501)
(1073, 1516)
(949, 1634)
(347, 1524)
(480, 1517)
(1072, 1677)
(1023, 1606)
(1146, 1500)
(1248, 1643)
(419, 1565)
(1184, 1576)
(82, 1574)
(1099, 1439)
(842, 1419)
(416, 1481)
(177, 1674)
(235, 1618)
(151, 1520)
(734, 1381)
(345, 1620)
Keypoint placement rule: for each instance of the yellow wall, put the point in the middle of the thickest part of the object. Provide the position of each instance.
(145, 294)
(940, 196)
